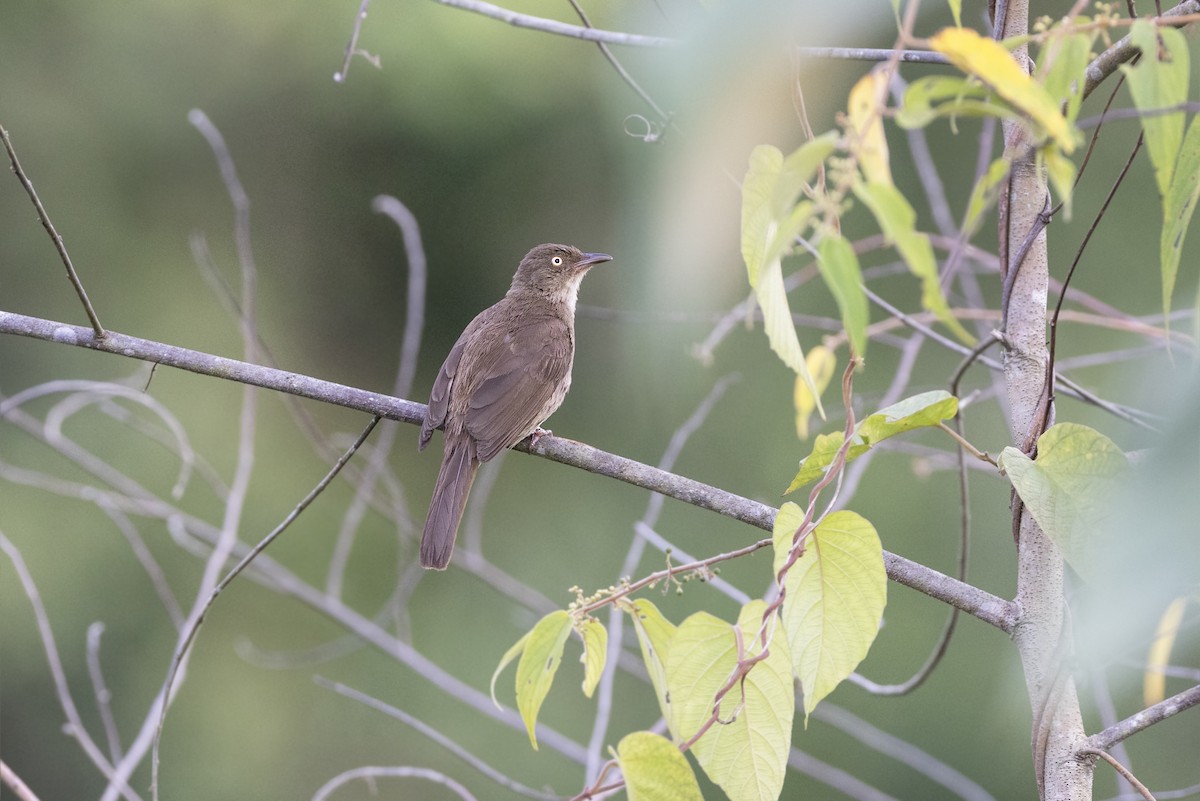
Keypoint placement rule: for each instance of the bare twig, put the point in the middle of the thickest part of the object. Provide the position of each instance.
(560, 28)
(1107, 62)
(874, 54)
(352, 46)
(616, 618)
(410, 348)
(10, 779)
(196, 619)
(75, 725)
(369, 773)
(902, 751)
(44, 218)
(1121, 769)
(101, 691)
(430, 733)
(1133, 724)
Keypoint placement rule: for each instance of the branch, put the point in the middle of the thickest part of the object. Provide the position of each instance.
(1104, 740)
(55, 237)
(561, 28)
(1107, 62)
(987, 607)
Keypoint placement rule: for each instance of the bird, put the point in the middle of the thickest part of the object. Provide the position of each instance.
(509, 370)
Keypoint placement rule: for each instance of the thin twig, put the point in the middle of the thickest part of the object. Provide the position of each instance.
(560, 28)
(370, 772)
(663, 116)
(616, 618)
(101, 692)
(44, 218)
(430, 733)
(410, 348)
(197, 618)
(1119, 768)
(1087, 237)
(352, 45)
(75, 726)
(1149, 716)
(874, 54)
(10, 779)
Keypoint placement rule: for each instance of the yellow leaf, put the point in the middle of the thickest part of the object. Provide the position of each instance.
(991, 63)
(595, 651)
(1154, 682)
(836, 594)
(655, 769)
(821, 363)
(865, 115)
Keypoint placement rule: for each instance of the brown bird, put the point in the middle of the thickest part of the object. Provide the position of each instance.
(508, 371)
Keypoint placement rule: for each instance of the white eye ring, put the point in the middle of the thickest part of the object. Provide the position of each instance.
(557, 261)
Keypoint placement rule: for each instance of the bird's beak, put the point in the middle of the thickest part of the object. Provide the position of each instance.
(590, 259)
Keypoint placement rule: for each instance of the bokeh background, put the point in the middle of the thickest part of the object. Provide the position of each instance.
(496, 138)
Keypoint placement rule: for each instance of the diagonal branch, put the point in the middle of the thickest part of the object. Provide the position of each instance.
(987, 607)
(1104, 740)
(1107, 62)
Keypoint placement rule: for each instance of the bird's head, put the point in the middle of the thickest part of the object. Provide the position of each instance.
(556, 270)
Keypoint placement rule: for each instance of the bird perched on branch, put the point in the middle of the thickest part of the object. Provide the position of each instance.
(508, 371)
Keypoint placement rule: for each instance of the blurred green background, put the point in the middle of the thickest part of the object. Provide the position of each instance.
(496, 138)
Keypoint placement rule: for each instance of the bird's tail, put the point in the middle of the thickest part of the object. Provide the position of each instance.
(457, 474)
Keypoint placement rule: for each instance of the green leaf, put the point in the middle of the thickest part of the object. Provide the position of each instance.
(655, 769)
(984, 194)
(746, 753)
(771, 219)
(1178, 205)
(1159, 80)
(1061, 171)
(512, 653)
(1069, 490)
(836, 594)
(898, 221)
(955, 11)
(654, 633)
(920, 411)
(769, 193)
(935, 96)
(839, 268)
(789, 518)
(595, 651)
(1061, 69)
(989, 61)
(541, 652)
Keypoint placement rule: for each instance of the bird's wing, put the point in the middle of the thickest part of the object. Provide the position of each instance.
(521, 385)
(443, 385)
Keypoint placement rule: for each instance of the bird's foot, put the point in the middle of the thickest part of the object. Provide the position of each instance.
(537, 434)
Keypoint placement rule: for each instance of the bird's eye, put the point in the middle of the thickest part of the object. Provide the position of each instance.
(557, 261)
